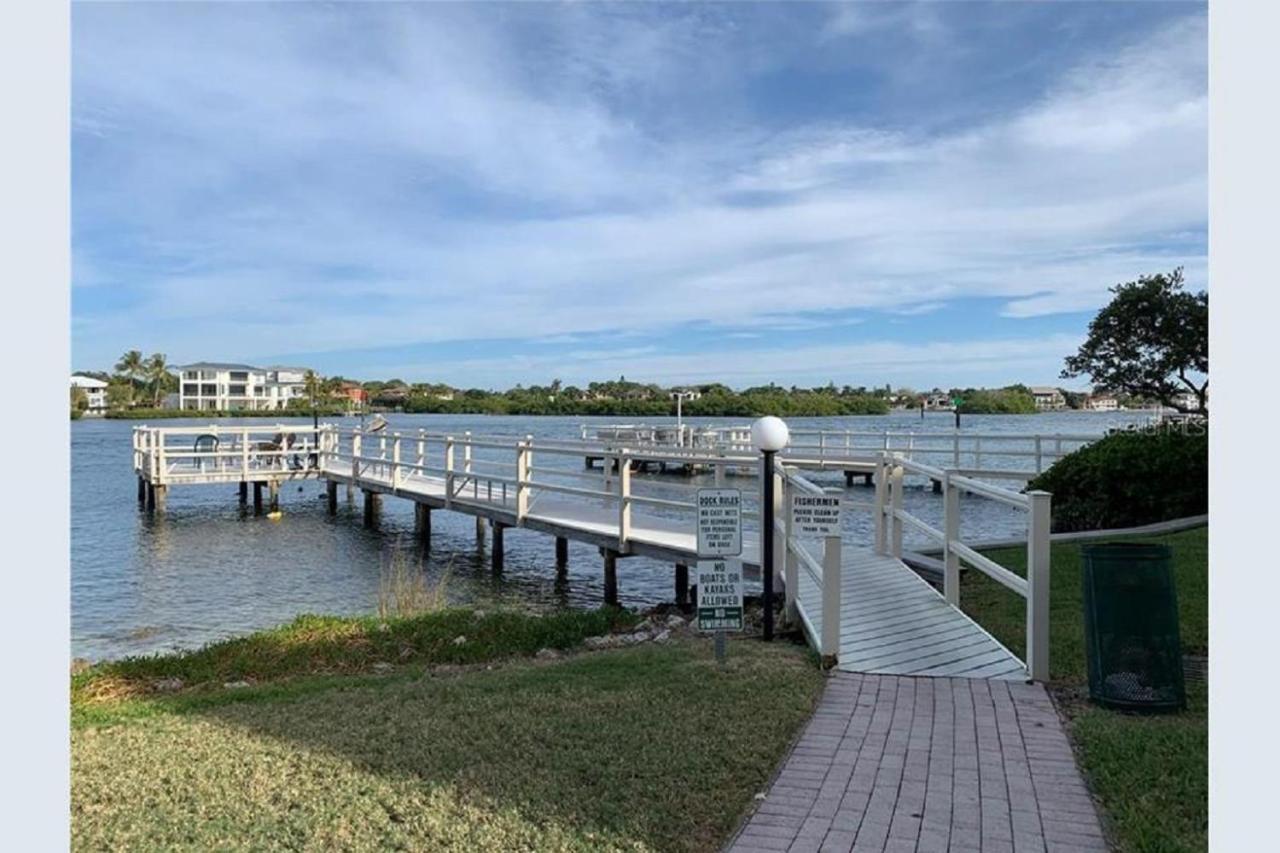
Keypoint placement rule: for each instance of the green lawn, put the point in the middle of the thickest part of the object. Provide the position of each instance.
(1149, 772)
(653, 747)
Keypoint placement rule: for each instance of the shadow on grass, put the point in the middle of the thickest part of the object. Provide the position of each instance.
(645, 748)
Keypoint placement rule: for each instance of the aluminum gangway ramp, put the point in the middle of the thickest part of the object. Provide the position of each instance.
(892, 622)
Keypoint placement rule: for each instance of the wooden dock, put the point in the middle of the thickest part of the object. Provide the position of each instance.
(858, 603)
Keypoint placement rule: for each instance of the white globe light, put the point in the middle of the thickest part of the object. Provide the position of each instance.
(770, 433)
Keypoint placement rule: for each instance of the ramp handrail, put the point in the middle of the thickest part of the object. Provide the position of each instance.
(891, 519)
(823, 569)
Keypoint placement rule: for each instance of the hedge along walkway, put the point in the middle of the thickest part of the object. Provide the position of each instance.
(895, 763)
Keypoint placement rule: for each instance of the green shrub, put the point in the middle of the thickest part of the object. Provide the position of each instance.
(1130, 478)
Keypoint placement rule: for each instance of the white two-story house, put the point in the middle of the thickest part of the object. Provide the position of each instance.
(95, 391)
(214, 386)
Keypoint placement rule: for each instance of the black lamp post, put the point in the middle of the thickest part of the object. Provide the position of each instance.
(769, 435)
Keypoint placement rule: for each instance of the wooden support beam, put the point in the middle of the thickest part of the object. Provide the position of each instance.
(244, 492)
(479, 532)
(371, 501)
(867, 479)
(937, 487)
(161, 492)
(257, 497)
(142, 491)
(611, 578)
(848, 478)
(496, 553)
(423, 521)
(274, 489)
(331, 495)
(562, 551)
(682, 584)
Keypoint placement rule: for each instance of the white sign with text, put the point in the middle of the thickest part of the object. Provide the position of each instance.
(815, 515)
(719, 522)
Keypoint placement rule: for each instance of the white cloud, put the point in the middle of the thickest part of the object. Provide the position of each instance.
(417, 181)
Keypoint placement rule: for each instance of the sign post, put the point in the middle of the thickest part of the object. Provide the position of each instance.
(720, 599)
(720, 584)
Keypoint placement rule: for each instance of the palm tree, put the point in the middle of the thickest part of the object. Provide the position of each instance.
(157, 372)
(130, 366)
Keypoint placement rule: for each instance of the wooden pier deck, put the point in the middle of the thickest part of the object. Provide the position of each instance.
(894, 623)
(861, 607)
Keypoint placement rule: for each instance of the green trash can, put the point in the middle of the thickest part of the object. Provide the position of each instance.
(1131, 627)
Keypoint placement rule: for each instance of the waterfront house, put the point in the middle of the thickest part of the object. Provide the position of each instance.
(95, 390)
(351, 392)
(938, 401)
(1048, 398)
(1102, 403)
(218, 386)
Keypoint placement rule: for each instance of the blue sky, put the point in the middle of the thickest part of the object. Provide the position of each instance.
(921, 194)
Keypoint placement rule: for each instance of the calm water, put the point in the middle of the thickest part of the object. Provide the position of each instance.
(205, 570)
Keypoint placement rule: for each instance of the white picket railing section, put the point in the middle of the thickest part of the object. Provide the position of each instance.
(891, 520)
(822, 567)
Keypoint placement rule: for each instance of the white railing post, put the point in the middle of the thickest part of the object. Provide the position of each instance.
(522, 480)
(831, 600)
(382, 452)
(528, 456)
(395, 461)
(1039, 456)
(356, 443)
(244, 453)
(624, 497)
(950, 534)
(466, 453)
(1038, 586)
(420, 458)
(895, 518)
(791, 565)
(882, 489)
(160, 457)
(448, 470)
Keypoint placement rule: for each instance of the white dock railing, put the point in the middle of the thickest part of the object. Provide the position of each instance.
(997, 455)
(891, 520)
(511, 473)
(821, 567)
(214, 453)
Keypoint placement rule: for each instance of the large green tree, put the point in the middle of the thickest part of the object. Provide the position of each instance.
(1151, 340)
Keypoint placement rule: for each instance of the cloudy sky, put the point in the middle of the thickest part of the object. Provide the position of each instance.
(934, 194)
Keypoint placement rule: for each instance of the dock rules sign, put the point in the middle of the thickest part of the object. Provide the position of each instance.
(719, 595)
(815, 515)
(719, 522)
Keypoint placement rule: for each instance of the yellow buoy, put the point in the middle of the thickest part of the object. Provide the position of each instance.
(275, 516)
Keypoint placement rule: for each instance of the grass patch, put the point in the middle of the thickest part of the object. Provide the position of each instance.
(653, 747)
(320, 645)
(1151, 773)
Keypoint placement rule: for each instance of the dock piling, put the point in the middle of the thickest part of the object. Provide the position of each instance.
(479, 532)
(496, 553)
(274, 489)
(158, 501)
(682, 584)
(257, 498)
(142, 491)
(244, 492)
(331, 497)
(371, 500)
(562, 551)
(611, 577)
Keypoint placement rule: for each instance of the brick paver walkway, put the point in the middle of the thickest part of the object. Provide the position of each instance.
(896, 763)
